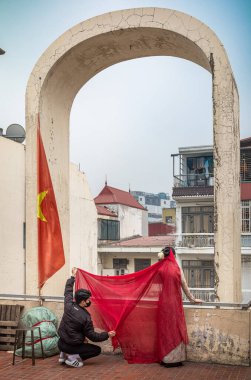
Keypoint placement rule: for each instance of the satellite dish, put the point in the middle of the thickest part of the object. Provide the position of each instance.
(16, 133)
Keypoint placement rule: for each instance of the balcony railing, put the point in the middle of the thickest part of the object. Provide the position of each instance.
(205, 294)
(246, 239)
(199, 240)
(208, 294)
(193, 180)
(195, 240)
(245, 168)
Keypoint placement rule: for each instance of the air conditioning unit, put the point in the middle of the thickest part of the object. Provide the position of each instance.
(121, 272)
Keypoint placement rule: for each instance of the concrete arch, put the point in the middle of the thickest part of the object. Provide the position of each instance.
(95, 44)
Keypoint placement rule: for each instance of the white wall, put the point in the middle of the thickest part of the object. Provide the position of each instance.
(83, 223)
(107, 259)
(164, 203)
(132, 221)
(144, 223)
(12, 216)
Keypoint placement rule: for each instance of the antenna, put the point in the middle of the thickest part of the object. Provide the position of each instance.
(15, 132)
(106, 180)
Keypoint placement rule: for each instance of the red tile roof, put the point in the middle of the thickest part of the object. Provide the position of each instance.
(246, 142)
(111, 195)
(245, 191)
(146, 241)
(103, 210)
(193, 191)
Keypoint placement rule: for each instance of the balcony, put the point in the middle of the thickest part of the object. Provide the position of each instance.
(193, 180)
(208, 294)
(197, 240)
(246, 239)
(193, 185)
(245, 167)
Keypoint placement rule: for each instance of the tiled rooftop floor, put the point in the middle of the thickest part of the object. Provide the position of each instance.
(114, 367)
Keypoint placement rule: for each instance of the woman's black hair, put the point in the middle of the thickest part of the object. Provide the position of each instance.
(166, 250)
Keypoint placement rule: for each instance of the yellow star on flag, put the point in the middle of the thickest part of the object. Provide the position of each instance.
(40, 199)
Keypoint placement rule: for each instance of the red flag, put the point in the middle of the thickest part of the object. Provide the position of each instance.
(50, 244)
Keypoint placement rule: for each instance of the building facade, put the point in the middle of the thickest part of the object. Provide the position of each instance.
(129, 216)
(194, 194)
(123, 242)
(131, 255)
(13, 254)
(154, 203)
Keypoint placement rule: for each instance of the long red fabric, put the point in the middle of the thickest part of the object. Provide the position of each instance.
(144, 308)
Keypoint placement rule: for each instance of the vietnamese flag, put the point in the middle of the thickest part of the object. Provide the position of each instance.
(50, 244)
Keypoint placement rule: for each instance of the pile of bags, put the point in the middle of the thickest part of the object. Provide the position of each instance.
(47, 321)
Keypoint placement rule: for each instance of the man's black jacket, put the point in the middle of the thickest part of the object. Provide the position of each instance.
(76, 323)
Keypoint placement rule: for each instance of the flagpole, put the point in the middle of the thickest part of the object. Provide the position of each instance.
(40, 299)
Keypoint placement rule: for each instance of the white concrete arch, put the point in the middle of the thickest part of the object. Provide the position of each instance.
(88, 48)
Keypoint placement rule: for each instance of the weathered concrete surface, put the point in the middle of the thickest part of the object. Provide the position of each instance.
(90, 47)
(215, 335)
(218, 336)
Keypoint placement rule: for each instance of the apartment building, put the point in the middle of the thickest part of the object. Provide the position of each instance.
(193, 192)
(154, 203)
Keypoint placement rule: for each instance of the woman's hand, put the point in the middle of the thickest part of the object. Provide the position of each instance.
(111, 333)
(198, 301)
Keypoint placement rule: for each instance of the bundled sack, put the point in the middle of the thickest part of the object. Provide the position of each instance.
(47, 321)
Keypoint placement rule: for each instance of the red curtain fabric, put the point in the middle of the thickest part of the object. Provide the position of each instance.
(144, 308)
(50, 244)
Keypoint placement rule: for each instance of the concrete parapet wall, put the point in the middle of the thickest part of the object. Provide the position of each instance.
(218, 335)
(215, 335)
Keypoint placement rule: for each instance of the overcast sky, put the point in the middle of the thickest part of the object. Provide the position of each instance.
(128, 119)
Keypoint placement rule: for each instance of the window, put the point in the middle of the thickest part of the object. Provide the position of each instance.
(169, 219)
(120, 263)
(152, 200)
(140, 264)
(198, 219)
(246, 216)
(108, 229)
(199, 273)
(156, 216)
(199, 170)
(245, 166)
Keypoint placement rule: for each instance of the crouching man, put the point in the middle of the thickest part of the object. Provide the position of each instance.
(76, 325)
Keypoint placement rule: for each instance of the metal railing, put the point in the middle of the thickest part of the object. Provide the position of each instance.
(205, 294)
(190, 240)
(208, 304)
(245, 167)
(194, 180)
(199, 240)
(246, 239)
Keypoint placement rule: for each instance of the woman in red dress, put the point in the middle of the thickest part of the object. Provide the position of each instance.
(175, 282)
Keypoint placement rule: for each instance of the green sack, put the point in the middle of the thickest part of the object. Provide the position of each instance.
(47, 321)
